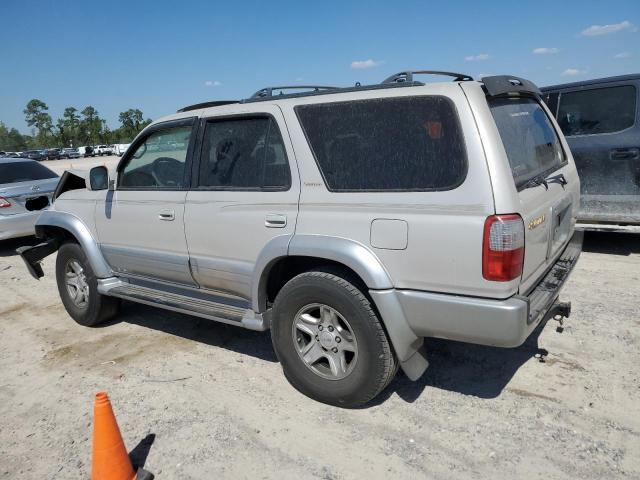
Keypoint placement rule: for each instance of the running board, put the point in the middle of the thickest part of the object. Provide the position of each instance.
(219, 312)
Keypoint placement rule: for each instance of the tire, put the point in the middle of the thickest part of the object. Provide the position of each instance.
(90, 308)
(364, 363)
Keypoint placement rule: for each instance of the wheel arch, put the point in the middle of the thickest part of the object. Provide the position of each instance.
(64, 226)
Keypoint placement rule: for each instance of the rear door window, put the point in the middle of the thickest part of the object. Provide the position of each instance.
(244, 154)
(14, 172)
(387, 144)
(599, 110)
(531, 142)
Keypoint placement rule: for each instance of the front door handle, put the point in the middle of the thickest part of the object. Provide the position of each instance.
(167, 215)
(625, 154)
(275, 220)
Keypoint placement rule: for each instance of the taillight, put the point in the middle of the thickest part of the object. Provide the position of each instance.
(503, 248)
(4, 203)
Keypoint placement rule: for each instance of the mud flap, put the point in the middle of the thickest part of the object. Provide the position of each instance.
(32, 256)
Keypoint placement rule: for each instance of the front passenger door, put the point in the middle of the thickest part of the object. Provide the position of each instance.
(141, 224)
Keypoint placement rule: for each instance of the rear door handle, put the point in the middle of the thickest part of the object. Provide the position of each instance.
(625, 154)
(167, 215)
(275, 220)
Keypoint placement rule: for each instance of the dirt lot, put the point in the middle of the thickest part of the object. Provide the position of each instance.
(196, 399)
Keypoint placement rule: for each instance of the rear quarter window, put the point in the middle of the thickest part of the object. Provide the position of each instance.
(389, 144)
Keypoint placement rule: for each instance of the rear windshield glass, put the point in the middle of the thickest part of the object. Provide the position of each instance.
(14, 172)
(529, 139)
(390, 144)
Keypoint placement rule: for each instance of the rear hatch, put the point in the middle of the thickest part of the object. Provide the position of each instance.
(546, 181)
(25, 186)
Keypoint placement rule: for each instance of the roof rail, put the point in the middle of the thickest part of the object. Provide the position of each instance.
(268, 91)
(198, 106)
(407, 76)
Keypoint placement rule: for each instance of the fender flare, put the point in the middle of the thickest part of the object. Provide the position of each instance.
(75, 226)
(358, 258)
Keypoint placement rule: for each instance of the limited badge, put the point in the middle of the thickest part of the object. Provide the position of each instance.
(536, 222)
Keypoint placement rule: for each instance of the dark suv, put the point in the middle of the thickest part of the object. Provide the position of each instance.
(601, 121)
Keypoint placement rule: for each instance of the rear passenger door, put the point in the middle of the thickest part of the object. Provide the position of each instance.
(245, 193)
(600, 125)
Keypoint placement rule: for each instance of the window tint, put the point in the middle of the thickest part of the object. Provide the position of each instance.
(408, 143)
(159, 162)
(529, 139)
(601, 110)
(244, 154)
(15, 172)
(551, 99)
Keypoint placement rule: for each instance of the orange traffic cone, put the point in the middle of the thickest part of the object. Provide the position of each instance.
(110, 458)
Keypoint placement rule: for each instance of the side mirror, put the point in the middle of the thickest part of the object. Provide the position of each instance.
(98, 178)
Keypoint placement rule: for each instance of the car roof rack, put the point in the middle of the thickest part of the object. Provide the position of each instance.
(407, 76)
(198, 106)
(268, 91)
(504, 85)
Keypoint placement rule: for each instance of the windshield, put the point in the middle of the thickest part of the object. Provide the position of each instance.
(15, 172)
(531, 142)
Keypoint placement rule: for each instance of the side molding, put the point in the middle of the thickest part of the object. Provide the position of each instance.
(72, 224)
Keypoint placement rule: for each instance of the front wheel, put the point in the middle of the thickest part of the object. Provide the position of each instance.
(330, 341)
(78, 288)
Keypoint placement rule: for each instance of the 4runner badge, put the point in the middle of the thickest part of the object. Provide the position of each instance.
(536, 222)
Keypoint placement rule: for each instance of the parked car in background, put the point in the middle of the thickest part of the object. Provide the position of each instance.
(408, 210)
(69, 153)
(12, 155)
(33, 155)
(51, 153)
(601, 120)
(86, 151)
(104, 150)
(26, 188)
(120, 148)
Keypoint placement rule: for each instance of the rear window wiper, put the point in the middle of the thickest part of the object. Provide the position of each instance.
(535, 182)
(558, 179)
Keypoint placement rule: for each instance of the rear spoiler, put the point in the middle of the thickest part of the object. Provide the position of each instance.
(505, 85)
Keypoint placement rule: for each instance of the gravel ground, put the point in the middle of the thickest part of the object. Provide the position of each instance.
(195, 399)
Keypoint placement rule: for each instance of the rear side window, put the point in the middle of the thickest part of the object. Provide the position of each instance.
(389, 144)
(531, 142)
(601, 110)
(244, 154)
(15, 172)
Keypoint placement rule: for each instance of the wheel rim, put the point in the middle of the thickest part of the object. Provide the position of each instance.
(325, 341)
(76, 282)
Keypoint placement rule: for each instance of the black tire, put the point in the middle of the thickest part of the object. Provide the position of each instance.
(375, 365)
(98, 308)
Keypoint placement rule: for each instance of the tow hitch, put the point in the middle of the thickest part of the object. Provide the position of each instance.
(559, 311)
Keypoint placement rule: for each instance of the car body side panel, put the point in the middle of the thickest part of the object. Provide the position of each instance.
(444, 244)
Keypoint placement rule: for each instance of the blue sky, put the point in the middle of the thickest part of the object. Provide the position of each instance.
(159, 55)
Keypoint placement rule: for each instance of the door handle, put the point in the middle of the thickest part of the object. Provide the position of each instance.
(625, 154)
(167, 215)
(275, 220)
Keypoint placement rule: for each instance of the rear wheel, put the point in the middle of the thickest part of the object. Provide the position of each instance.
(78, 288)
(330, 341)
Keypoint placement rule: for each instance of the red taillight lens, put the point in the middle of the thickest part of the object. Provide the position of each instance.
(4, 203)
(503, 248)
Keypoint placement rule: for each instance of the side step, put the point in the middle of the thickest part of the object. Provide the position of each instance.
(217, 311)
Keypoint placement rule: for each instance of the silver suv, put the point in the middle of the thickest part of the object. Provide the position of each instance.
(352, 222)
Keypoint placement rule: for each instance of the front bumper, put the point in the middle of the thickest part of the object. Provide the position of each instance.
(18, 225)
(502, 323)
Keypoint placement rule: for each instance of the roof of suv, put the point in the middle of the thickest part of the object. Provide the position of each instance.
(595, 81)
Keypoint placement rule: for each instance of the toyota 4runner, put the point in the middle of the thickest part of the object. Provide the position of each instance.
(352, 222)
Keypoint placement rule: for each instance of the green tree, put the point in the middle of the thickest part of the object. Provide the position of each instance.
(90, 126)
(11, 140)
(37, 117)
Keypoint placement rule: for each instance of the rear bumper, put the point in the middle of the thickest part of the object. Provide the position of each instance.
(501, 323)
(18, 225)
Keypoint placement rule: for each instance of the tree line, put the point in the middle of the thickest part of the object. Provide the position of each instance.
(75, 128)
